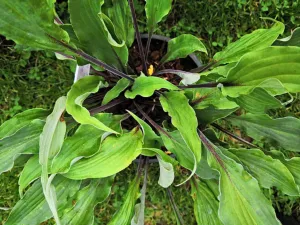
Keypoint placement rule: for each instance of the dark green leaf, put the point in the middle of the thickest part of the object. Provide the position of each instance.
(293, 40)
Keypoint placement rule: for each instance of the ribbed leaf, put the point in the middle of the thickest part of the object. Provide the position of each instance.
(241, 200)
(120, 86)
(29, 23)
(293, 40)
(211, 114)
(84, 143)
(78, 93)
(205, 204)
(183, 118)
(116, 154)
(156, 10)
(293, 164)
(182, 46)
(258, 101)
(51, 140)
(268, 171)
(20, 120)
(33, 208)
(257, 40)
(145, 86)
(283, 131)
(276, 69)
(125, 213)
(92, 30)
(120, 15)
(86, 200)
(24, 141)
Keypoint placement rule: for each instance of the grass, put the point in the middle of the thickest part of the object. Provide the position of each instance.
(37, 79)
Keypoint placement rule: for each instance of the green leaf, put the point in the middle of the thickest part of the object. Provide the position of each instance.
(166, 176)
(89, 25)
(182, 46)
(139, 214)
(29, 23)
(86, 200)
(205, 204)
(120, 15)
(211, 114)
(125, 214)
(24, 141)
(258, 39)
(293, 164)
(241, 200)
(283, 131)
(268, 171)
(207, 97)
(187, 77)
(51, 141)
(183, 118)
(32, 170)
(116, 154)
(33, 208)
(84, 143)
(78, 93)
(113, 93)
(276, 69)
(258, 101)
(145, 86)
(21, 120)
(150, 137)
(293, 40)
(156, 10)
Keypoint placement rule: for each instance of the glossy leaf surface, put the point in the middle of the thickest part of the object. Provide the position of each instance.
(116, 154)
(257, 40)
(182, 46)
(29, 23)
(183, 118)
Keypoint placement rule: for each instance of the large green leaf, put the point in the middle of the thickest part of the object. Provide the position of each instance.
(92, 30)
(113, 93)
(293, 40)
(145, 86)
(268, 171)
(283, 131)
(24, 141)
(116, 154)
(33, 208)
(156, 10)
(293, 164)
(20, 120)
(182, 46)
(86, 200)
(120, 15)
(241, 200)
(51, 140)
(257, 40)
(125, 214)
(78, 93)
(84, 143)
(29, 23)
(183, 118)
(205, 204)
(258, 101)
(276, 69)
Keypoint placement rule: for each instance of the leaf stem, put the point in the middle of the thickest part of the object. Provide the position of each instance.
(107, 106)
(174, 207)
(206, 85)
(233, 135)
(138, 36)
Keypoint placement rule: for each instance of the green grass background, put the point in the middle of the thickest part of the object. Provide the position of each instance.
(37, 79)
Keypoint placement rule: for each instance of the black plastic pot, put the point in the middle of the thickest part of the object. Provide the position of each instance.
(192, 59)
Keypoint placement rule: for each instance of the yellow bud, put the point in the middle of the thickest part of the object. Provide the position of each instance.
(151, 70)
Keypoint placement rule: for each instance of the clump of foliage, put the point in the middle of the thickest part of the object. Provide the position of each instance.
(134, 101)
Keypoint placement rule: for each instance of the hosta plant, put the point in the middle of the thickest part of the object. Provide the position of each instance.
(134, 100)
